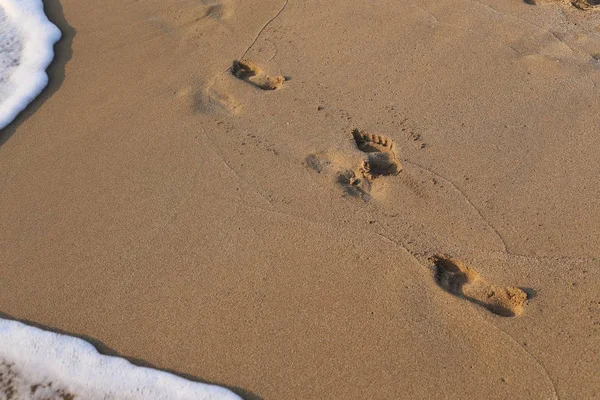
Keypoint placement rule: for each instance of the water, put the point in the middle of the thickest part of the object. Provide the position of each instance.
(26, 49)
(37, 364)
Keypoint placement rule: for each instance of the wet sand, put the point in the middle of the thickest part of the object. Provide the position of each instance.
(232, 229)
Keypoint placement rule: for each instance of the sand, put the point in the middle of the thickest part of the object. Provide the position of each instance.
(187, 219)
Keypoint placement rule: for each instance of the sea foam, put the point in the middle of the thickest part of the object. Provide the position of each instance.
(26, 49)
(36, 364)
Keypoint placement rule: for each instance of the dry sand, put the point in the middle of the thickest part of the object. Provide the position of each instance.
(176, 215)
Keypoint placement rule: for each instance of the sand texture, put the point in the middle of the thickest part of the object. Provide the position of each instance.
(317, 199)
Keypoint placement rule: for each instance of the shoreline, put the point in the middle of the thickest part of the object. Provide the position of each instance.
(235, 229)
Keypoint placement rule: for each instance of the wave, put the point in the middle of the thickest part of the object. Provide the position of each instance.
(37, 364)
(27, 38)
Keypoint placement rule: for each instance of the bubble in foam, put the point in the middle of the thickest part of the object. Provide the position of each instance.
(26, 49)
(37, 364)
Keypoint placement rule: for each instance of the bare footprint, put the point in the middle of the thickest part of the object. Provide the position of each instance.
(354, 173)
(463, 281)
(354, 184)
(340, 168)
(381, 159)
(585, 5)
(212, 98)
(253, 74)
(218, 12)
(217, 9)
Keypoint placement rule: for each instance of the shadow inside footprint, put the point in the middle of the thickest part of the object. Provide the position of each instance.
(357, 180)
(585, 4)
(354, 185)
(381, 158)
(253, 74)
(460, 280)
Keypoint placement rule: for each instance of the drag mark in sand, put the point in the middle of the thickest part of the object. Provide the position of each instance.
(504, 245)
(462, 281)
(417, 258)
(253, 74)
(265, 27)
(247, 71)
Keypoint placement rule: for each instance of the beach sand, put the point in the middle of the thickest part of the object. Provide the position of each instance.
(187, 219)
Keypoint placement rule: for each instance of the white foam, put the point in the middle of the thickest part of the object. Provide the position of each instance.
(26, 49)
(37, 364)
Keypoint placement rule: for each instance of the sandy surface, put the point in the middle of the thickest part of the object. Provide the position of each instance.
(176, 215)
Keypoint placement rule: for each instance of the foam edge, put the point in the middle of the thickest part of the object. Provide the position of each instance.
(76, 366)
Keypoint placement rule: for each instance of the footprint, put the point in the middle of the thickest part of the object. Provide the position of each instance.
(217, 10)
(381, 159)
(460, 280)
(353, 172)
(251, 73)
(355, 185)
(210, 100)
(585, 4)
(339, 168)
